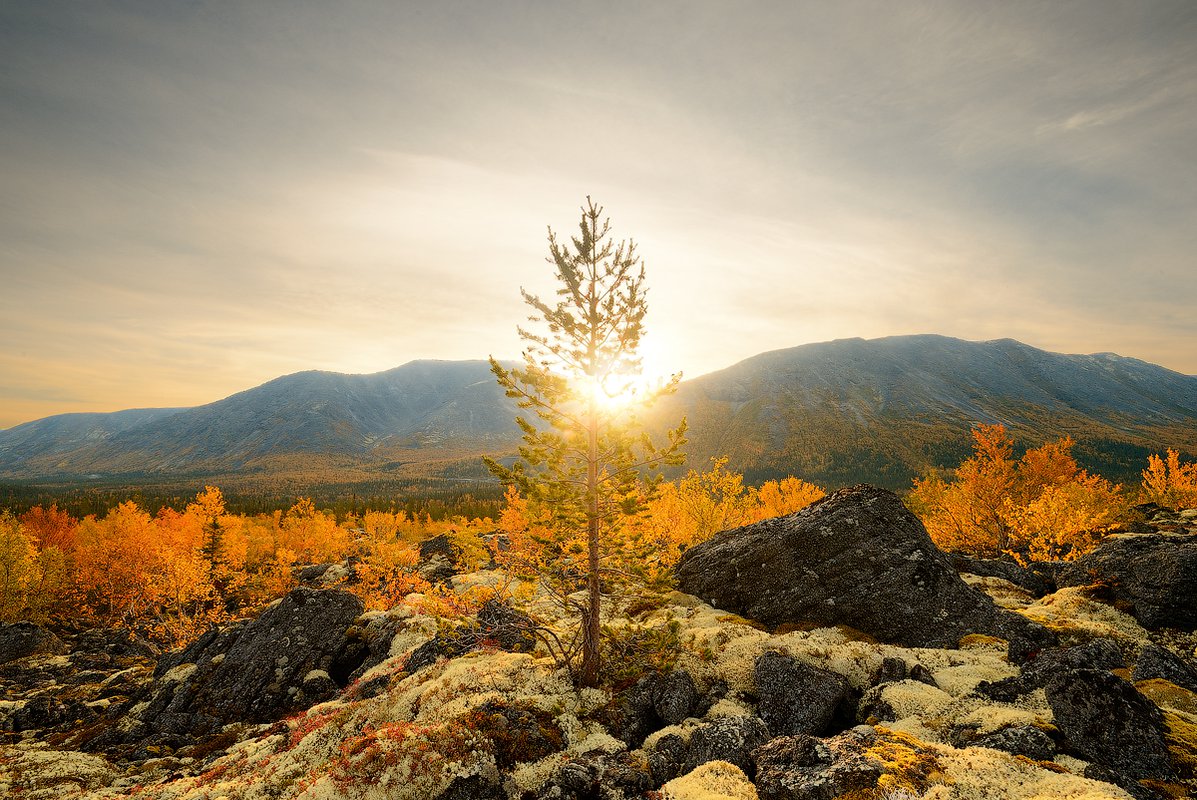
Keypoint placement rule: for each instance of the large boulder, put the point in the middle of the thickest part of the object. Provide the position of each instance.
(857, 557)
(1106, 720)
(299, 652)
(1151, 576)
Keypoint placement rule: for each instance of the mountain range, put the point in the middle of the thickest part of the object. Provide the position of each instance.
(839, 412)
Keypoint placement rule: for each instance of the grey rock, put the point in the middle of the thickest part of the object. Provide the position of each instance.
(857, 557)
(805, 768)
(923, 675)
(1158, 662)
(496, 622)
(24, 639)
(258, 671)
(474, 787)
(597, 776)
(1152, 576)
(1011, 571)
(633, 715)
(311, 574)
(1097, 654)
(892, 669)
(1019, 740)
(438, 559)
(512, 630)
(1096, 772)
(676, 697)
(795, 697)
(731, 739)
(1101, 654)
(1107, 721)
(666, 757)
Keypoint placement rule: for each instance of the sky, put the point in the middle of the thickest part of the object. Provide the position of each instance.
(198, 197)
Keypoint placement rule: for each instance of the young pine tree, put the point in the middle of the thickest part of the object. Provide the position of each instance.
(587, 462)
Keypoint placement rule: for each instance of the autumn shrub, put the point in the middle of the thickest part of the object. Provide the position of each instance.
(1041, 506)
(704, 503)
(50, 527)
(386, 574)
(312, 534)
(17, 555)
(1066, 520)
(1168, 482)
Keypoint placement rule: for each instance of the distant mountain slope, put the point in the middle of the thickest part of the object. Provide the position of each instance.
(420, 405)
(68, 432)
(838, 412)
(884, 410)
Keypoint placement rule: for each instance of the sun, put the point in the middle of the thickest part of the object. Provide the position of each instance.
(615, 392)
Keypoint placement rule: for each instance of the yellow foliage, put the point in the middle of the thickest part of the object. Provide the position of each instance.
(1066, 520)
(1043, 506)
(275, 579)
(704, 503)
(779, 498)
(312, 534)
(173, 575)
(386, 575)
(17, 557)
(1168, 482)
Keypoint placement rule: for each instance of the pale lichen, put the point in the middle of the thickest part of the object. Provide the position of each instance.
(714, 780)
(1071, 613)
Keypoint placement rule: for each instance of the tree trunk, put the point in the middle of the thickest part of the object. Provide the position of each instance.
(591, 620)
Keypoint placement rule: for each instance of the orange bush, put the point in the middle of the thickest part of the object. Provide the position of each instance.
(1042, 506)
(1168, 482)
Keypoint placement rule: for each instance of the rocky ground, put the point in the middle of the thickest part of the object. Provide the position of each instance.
(835, 653)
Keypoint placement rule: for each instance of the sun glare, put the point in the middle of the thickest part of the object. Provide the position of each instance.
(615, 392)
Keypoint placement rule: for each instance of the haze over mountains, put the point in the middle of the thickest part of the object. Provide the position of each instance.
(837, 412)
